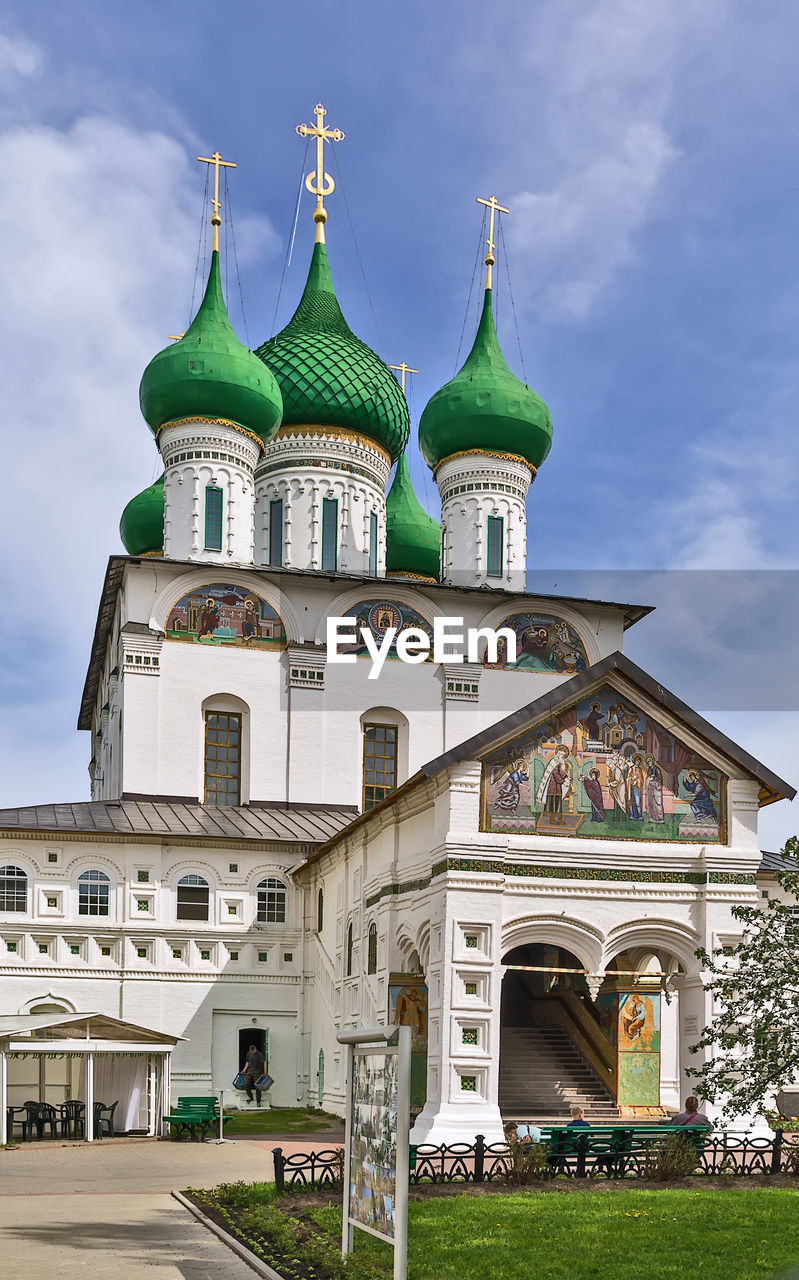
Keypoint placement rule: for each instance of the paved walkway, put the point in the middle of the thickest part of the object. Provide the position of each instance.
(91, 1211)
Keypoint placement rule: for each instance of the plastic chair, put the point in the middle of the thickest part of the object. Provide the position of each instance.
(40, 1114)
(104, 1118)
(73, 1118)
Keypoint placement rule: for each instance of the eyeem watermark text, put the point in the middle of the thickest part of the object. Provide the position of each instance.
(451, 643)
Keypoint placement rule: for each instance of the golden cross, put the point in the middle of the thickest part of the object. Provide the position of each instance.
(216, 160)
(318, 182)
(403, 369)
(493, 204)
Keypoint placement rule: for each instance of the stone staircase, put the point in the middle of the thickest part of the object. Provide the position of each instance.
(542, 1073)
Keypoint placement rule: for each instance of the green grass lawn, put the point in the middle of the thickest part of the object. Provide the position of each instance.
(282, 1120)
(729, 1234)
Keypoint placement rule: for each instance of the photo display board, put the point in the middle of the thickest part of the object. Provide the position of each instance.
(373, 1140)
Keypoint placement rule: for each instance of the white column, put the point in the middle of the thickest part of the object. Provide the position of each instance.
(89, 1097)
(3, 1098)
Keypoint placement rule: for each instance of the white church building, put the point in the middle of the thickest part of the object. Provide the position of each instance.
(516, 849)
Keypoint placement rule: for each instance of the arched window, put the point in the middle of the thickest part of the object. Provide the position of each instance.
(320, 910)
(371, 962)
(222, 757)
(379, 763)
(271, 901)
(13, 889)
(192, 898)
(349, 950)
(93, 889)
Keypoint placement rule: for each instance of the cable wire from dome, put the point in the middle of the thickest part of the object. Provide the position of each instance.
(357, 249)
(512, 303)
(229, 221)
(201, 243)
(290, 244)
(480, 239)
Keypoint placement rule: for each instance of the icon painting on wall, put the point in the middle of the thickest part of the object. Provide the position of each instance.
(377, 616)
(221, 614)
(543, 643)
(603, 768)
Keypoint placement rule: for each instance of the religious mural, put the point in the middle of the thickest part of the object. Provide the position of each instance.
(220, 614)
(543, 643)
(604, 768)
(639, 1049)
(378, 616)
(407, 1007)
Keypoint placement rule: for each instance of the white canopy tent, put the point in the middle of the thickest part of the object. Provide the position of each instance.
(126, 1060)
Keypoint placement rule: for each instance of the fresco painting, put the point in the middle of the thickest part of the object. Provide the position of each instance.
(543, 643)
(639, 1080)
(604, 768)
(221, 614)
(407, 1007)
(639, 1022)
(377, 616)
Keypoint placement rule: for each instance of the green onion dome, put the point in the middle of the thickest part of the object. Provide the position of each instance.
(327, 376)
(210, 374)
(142, 525)
(412, 536)
(485, 408)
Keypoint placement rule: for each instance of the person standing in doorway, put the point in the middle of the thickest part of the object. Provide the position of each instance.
(252, 1070)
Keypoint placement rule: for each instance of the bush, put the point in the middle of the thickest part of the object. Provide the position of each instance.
(670, 1157)
(527, 1162)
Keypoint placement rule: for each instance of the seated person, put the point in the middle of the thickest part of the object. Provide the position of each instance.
(528, 1133)
(578, 1120)
(691, 1117)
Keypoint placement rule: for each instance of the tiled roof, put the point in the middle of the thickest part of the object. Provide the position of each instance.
(183, 820)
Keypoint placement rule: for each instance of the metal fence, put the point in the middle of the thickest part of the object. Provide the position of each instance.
(619, 1154)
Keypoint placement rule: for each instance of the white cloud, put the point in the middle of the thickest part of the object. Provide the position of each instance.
(102, 230)
(18, 58)
(607, 71)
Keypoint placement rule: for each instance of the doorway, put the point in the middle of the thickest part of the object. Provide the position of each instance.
(248, 1036)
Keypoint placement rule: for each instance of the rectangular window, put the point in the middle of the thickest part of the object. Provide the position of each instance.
(213, 518)
(379, 763)
(373, 544)
(329, 534)
(276, 532)
(222, 758)
(494, 546)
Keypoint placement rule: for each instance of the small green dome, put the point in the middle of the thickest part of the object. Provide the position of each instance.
(485, 407)
(142, 525)
(329, 377)
(412, 536)
(210, 374)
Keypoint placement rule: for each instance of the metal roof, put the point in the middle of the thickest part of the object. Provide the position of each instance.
(74, 1026)
(771, 861)
(172, 819)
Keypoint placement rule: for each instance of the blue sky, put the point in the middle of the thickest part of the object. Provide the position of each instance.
(648, 154)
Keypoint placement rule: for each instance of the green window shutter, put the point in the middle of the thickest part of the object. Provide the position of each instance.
(276, 532)
(373, 544)
(213, 518)
(494, 546)
(330, 534)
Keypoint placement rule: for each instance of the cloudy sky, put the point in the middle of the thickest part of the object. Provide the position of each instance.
(648, 154)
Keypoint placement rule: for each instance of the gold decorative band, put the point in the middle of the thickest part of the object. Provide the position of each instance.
(214, 422)
(149, 555)
(486, 453)
(334, 433)
(417, 577)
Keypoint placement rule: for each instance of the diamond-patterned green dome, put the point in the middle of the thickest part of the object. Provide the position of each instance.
(142, 525)
(210, 374)
(329, 377)
(485, 407)
(412, 536)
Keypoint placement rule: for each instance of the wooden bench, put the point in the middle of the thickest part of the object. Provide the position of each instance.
(193, 1113)
(610, 1148)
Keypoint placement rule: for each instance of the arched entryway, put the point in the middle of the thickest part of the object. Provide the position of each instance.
(553, 1052)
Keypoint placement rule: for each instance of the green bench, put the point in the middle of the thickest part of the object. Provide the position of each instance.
(192, 1114)
(610, 1147)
